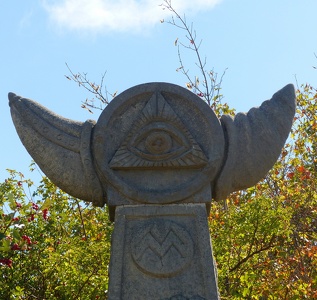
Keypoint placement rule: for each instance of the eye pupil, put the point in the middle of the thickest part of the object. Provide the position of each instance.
(158, 142)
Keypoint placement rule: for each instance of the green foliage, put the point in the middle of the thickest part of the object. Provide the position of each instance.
(51, 245)
(265, 241)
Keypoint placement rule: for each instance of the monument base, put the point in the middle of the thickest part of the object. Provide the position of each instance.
(162, 253)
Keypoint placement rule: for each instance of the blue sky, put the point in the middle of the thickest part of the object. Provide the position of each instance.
(262, 44)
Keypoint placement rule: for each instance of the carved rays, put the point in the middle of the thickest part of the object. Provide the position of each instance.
(158, 139)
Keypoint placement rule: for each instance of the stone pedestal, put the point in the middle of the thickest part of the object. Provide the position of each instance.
(162, 253)
(157, 156)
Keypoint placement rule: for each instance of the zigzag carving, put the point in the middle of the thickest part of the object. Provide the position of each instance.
(160, 248)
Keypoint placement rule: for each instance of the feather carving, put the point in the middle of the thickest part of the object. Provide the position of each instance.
(61, 148)
(254, 142)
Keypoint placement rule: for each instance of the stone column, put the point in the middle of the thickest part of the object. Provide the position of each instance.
(162, 253)
(157, 156)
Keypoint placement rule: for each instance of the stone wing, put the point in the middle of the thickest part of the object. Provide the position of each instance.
(61, 148)
(254, 142)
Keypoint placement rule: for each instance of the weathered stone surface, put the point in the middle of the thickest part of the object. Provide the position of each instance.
(255, 141)
(156, 156)
(158, 143)
(61, 148)
(162, 252)
(155, 143)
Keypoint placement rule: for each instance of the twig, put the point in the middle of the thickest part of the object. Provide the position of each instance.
(250, 255)
(81, 219)
(93, 88)
(210, 90)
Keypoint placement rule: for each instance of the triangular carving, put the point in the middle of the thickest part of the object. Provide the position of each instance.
(158, 139)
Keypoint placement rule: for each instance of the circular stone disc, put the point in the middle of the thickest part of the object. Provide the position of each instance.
(162, 248)
(158, 143)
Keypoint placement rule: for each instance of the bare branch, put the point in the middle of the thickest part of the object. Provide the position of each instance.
(99, 91)
(210, 88)
(269, 245)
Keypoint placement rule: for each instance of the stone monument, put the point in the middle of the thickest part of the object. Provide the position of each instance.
(157, 156)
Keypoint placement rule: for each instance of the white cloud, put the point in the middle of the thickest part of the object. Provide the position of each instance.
(26, 19)
(116, 15)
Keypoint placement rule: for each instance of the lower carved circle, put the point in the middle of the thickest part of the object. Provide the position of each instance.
(162, 248)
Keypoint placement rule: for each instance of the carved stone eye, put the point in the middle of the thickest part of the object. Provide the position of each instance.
(158, 142)
(158, 139)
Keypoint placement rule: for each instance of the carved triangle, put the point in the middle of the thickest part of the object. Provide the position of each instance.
(158, 139)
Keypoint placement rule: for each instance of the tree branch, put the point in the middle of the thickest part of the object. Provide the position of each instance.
(250, 255)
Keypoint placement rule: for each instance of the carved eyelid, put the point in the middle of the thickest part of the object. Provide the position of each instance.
(159, 126)
(179, 142)
(177, 147)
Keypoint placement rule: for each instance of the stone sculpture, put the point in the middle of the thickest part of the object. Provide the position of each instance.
(157, 156)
